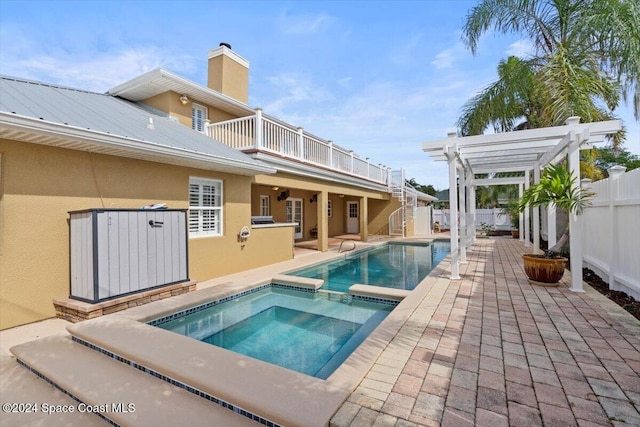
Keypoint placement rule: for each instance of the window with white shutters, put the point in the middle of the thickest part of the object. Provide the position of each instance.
(205, 207)
(198, 117)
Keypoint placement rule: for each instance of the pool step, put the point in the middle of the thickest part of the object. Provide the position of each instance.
(96, 379)
(378, 292)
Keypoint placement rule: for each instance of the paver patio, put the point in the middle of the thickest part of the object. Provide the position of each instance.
(493, 350)
(487, 350)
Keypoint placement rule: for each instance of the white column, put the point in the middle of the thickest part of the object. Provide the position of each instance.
(453, 209)
(520, 215)
(463, 213)
(614, 194)
(536, 213)
(527, 222)
(575, 221)
(472, 211)
(258, 131)
(551, 225)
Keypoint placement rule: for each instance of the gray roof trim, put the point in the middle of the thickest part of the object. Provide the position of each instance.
(158, 81)
(13, 126)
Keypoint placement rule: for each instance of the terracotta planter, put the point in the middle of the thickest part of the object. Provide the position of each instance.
(544, 270)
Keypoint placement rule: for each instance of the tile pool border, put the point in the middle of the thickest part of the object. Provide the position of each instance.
(234, 408)
(195, 309)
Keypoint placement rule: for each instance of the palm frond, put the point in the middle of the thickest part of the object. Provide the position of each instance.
(557, 187)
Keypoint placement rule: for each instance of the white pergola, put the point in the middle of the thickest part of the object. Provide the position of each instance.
(526, 151)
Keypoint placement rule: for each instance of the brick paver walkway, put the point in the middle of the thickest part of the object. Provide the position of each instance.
(493, 350)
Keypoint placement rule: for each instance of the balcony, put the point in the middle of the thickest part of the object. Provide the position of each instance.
(266, 134)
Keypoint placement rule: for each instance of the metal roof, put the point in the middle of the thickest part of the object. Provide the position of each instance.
(55, 115)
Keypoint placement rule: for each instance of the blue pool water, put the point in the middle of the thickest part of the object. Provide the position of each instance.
(312, 333)
(394, 265)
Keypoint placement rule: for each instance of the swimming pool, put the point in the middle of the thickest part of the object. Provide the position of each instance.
(393, 265)
(308, 332)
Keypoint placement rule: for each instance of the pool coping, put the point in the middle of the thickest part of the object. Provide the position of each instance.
(277, 394)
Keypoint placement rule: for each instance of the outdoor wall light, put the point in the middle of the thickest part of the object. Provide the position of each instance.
(275, 188)
(184, 100)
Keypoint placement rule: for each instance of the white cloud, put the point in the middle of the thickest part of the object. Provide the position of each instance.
(444, 59)
(292, 90)
(405, 54)
(90, 71)
(304, 24)
(521, 48)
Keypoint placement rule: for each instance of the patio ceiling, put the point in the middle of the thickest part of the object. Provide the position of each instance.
(519, 151)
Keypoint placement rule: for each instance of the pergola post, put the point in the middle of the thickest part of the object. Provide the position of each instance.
(453, 212)
(472, 211)
(575, 221)
(520, 215)
(527, 221)
(551, 225)
(536, 213)
(463, 213)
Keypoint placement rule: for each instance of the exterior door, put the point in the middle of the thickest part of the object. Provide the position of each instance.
(294, 214)
(353, 218)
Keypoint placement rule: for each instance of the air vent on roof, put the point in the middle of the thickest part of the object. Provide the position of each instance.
(227, 45)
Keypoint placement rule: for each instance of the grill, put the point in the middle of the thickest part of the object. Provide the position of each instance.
(258, 220)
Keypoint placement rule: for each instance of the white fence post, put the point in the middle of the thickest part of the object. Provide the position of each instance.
(612, 231)
(614, 174)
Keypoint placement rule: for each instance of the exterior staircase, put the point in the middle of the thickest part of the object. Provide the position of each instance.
(408, 198)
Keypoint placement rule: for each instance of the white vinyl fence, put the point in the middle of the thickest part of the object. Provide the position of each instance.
(491, 217)
(611, 245)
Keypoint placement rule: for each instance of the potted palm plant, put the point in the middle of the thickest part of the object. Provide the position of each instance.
(556, 186)
(512, 211)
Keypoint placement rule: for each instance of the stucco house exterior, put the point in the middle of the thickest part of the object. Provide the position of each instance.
(160, 138)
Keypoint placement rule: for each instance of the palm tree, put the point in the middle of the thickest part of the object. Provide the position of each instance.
(513, 102)
(556, 186)
(586, 53)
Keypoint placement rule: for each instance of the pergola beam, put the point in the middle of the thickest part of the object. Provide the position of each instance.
(529, 135)
(487, 182)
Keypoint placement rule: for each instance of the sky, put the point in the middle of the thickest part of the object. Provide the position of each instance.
(377, 77)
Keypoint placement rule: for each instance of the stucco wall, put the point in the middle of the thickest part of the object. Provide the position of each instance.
(169, 102)
(379, 212)
(40, 185)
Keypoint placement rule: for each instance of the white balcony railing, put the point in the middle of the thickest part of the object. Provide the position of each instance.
(264, 133)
